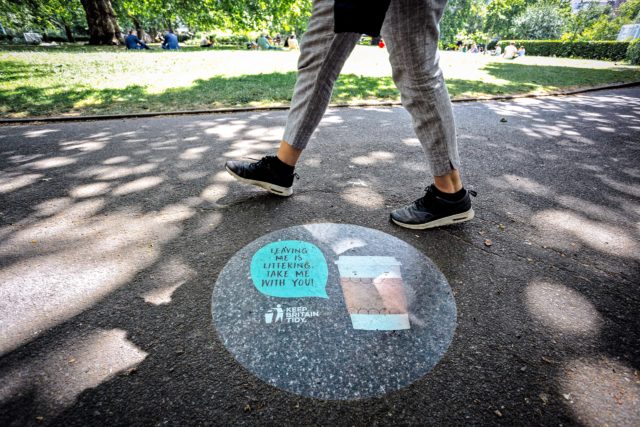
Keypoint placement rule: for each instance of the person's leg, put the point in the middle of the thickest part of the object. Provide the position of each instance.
(411, 33)
(322, 55)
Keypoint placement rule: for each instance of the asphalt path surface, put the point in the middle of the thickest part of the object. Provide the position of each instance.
(112, 236)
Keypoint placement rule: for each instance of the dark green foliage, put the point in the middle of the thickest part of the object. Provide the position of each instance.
(604, 50)
(633, 53)
(232, 40)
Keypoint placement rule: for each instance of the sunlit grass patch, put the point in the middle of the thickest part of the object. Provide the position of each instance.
(83, 80)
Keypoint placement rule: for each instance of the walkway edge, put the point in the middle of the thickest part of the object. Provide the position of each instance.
(286, 106)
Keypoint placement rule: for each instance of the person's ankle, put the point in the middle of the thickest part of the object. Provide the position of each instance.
(449, 188)
(283, 166)
(450, 183)
(455, 195)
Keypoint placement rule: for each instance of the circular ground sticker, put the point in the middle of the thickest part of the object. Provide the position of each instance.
(334, 311)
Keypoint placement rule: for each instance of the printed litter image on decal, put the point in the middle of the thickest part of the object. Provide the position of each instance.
(374, 292)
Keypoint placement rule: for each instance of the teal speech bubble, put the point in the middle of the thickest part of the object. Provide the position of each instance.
(290, 269)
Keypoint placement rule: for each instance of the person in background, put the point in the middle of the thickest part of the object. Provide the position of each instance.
(263, 42)
(206, 41)
(474, 48)
(292, 42)
(521, 51)
(133, 42)
(170, 41)
(510, 51)
(498, 50)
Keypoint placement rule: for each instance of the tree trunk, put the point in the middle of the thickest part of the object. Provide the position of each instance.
(139, 29)
(70, 38)
(103, 27)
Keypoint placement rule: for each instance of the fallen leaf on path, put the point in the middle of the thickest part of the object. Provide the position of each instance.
(488, 242)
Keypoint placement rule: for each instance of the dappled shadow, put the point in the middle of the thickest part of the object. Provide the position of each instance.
(112, 235)
(15, 70)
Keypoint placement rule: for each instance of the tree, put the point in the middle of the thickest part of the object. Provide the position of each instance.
(541, 21)
(607, 26)
(501, 15)
(42, 15)
(62, 14)
(103, 26)
(104, 17)
(587, 16)
(461, 17)
(234, 15)
(629, 12)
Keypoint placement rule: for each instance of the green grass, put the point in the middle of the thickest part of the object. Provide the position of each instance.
(80, 80)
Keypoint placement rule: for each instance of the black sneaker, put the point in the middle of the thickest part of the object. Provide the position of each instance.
(432, 210)
(269, 173)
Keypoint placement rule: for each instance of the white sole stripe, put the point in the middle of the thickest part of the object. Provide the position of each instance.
(271, 188)
(447, 220)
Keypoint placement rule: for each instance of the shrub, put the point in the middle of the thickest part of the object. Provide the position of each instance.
(633, 53)
(605, 50)
(231, 40)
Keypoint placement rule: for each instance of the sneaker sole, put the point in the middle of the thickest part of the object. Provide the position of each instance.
(271, 188)
(447, 220)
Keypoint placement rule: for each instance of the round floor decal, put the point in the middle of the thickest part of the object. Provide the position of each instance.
(334, 311)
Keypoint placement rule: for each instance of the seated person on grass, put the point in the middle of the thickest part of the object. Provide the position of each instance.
(521, 51)
(206, 41)
(264, 44)
(292, 42)
(133, 42)
(510, 52)
(170, 41)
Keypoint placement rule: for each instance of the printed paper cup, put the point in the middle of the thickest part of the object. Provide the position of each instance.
(374, 292)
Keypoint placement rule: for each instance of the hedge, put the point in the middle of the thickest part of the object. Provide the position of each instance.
(606, 50)
(633, 54)
(231, 40)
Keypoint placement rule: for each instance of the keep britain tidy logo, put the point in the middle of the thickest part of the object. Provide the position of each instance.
(280, 314)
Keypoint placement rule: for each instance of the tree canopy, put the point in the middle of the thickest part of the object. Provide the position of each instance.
(480, 20)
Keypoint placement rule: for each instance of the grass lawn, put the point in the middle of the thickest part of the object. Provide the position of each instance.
(86, 80)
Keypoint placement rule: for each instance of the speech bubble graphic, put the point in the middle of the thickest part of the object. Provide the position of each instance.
(290, 269)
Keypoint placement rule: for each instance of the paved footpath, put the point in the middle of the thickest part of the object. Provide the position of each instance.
(112, 235)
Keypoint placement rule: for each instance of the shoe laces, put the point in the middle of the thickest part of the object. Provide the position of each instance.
(263, 162)
(266, 162)
(430, 194)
